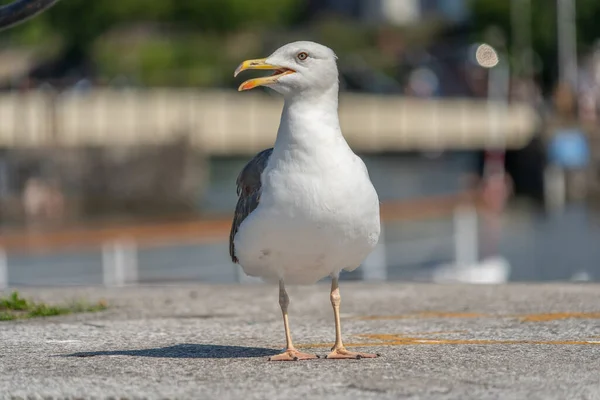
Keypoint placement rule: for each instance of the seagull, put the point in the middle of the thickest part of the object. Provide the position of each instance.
(306, 208)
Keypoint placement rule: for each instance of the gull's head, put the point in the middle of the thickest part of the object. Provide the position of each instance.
(297, 67)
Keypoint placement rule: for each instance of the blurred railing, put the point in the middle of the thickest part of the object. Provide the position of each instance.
(119, 247)
(225, 122)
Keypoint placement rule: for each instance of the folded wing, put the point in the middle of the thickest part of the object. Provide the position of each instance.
(248, 190)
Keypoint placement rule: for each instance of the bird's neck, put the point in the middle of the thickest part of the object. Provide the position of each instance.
(309, 119)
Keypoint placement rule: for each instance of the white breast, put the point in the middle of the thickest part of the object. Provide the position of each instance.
(318, 214)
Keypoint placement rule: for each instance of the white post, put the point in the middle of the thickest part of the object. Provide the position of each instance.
(498, 92)
(466, 244)
(119, 263)
(375, 265)
(555, 188)
(3, 269)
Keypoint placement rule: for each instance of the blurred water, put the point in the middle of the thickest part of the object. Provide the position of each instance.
(394, 177)
(555, 247)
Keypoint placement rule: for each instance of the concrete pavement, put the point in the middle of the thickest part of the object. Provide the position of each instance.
(518, 341)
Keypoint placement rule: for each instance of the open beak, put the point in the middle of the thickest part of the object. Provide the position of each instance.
(261, 64)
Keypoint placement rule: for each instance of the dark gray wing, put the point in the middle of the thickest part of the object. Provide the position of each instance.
(248, 190)
(21, 10)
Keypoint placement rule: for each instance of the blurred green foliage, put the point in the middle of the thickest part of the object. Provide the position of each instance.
(80, 22)
(14, 307)
(182, 43)
(199, 42)
(544, 28)
(544, 20)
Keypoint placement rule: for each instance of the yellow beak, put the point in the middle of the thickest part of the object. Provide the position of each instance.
(260, 64)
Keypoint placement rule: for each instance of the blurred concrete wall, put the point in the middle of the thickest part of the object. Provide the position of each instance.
(55, 185)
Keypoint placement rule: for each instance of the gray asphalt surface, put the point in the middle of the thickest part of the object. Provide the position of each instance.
(518, 341)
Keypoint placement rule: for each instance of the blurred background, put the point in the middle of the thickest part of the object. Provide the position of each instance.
(122, 134)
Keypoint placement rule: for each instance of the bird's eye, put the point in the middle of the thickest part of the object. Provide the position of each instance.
(302, 56)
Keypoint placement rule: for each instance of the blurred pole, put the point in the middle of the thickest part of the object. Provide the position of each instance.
(567, 42)
(521, 31)
(466, 246)
(494, 174)
(3, 270)
(375, 265)
(567, 65)
(498, 102)
(555, 190)
(498, 98)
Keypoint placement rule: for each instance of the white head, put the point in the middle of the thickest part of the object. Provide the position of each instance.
(299, 68)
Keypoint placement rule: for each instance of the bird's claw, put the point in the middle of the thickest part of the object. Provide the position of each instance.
(343, 354)
(293, 355)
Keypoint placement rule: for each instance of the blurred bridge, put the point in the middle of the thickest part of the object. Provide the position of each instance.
(225, 122)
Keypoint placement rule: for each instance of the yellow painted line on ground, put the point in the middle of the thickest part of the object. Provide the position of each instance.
(423, 315)
(396, 340)
(427, 339)
(381, 340)
(542, 317)
(559, 316)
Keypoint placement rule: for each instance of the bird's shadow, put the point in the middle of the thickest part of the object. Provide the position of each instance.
(186, 351)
